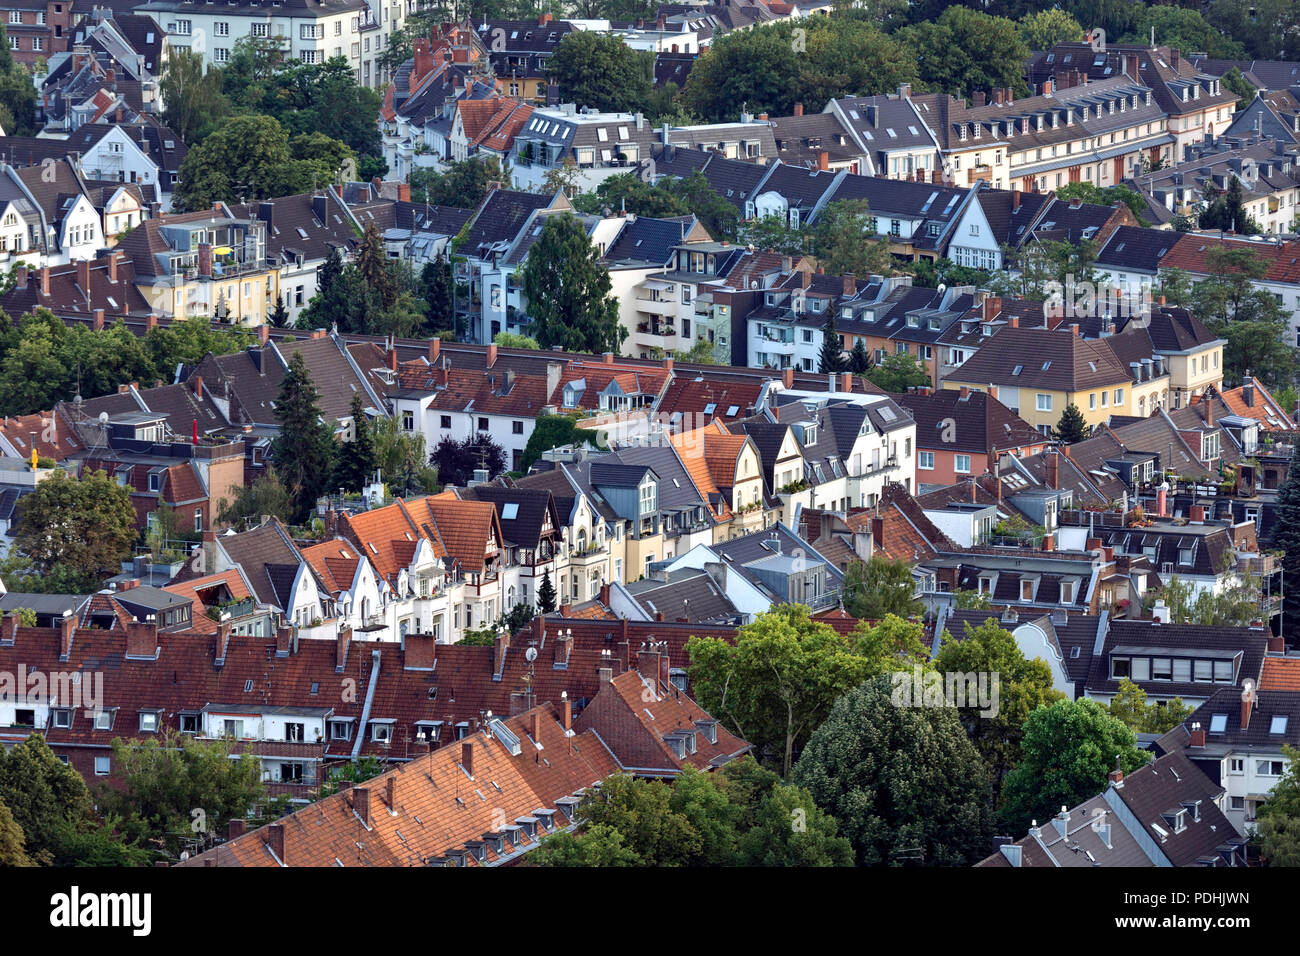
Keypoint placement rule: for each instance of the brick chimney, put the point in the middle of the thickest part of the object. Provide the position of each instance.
(419, 652)
(1197, 736)
(1116, 776)
(391, 356)
(1053, 469)
(1207, 401)
(238, 827)
(423, 61)
(435, 349)
(263, 334)
(647, 662)
(787, 377)
(99, 320)
(467, 756)
(846, 381)
(823, 160)
(1196, 514)
(341, 647)
(141, 639)
(45, 280)
(992, 307)
(198, 386)
(973, 489)
(20, 275)
(275, 840)
(1049, 540)
(113, 259)
(390, 791)
(361, 803)
(283, 640)
(205, 259)
(67, 627)
(850, 285)
(566, 711)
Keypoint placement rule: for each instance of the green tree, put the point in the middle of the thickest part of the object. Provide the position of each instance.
(1236, 81)
(718, 216)
(1235, 604)
(598, 845)
(1225, 209)
(1278, 820)
(903, 783)
(374, 265)
(555, 431)
(267, 495)
(44, 797)
(356, 455)
(1110, 196)
(278, 316)
(1072, 427)
(860, 358)
(1068, 749)
(964, 50)
(17, 92)
(791, 830)
(546, 594)
(1130, 707)
(513, 340)
(1043, 29)
(165, 781)
(304, 448)
(775, 685)
(436, 282)
(879, 586)
(1182, 28)
(842, 245)
(567, 290)
(1023, 685)
(832, 353)
(624, 192)
(402, 457)
(12, 845)
(463, 184)
(457, 461)
(971, 600)
(85, 525)
(898, 373)
(600, 71)
(192, 95)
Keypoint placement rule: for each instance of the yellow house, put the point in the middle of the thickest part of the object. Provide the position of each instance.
(204, 263)
(1038, 372)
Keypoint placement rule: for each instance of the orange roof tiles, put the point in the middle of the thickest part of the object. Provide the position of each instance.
(1280, 673)
(231, 580)
(416, 814)
(336, 562)
(1265, 407)
(689, 447)
(54, 439)
(1191, 253)
(469, 529)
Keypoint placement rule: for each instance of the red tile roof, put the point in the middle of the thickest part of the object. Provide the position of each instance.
(1191, 253)
(1280, 673)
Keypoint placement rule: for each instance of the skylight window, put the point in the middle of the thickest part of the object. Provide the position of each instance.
(1278, 724)
(509, 511)
(1218, 723)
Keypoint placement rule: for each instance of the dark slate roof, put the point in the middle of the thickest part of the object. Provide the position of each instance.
(981, 422)
(673, 68)
(1245, 645)
(687, 595)
(645, 240)
(500, 217)
(615, 474)
(801, 139)
(1071, 221)
(735, 181)
(531, 506)
(1134, 248)
(1258, 733)
(1054, 359)
(1166, 785)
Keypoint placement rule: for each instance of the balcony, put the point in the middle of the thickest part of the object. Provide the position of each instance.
(591, 554)
(653, 335)
(773, 346)
(822, 601)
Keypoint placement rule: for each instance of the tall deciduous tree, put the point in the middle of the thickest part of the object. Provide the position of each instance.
(1067, 751)
(85, 525)
(879, 586)
(1278, 820)
(266, 496)
(567, 291)
(1023, 685)
(775, 685)
(903, 783)
(600, 71)
(13, 851)
(44, 796)
(842, 245)
(192, 94)
(303, 451)
(1130, 707)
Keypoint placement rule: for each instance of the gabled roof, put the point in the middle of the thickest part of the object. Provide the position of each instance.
(980, 422)
(1037, 358)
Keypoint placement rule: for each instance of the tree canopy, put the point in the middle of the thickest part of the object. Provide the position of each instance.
(567, 291)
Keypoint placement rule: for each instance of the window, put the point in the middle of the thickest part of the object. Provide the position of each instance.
(101, 766)
(221, 28)
(1043, 402)
(517, 428)
(62, 718)
(183, 28)
(295, 732)
(38, 43)
(381, 733)
(198, 519)
(482, 424)
(1119, 397)
(220, 54)
(1237, 766)
(1270, 768)
(149, 723)
(925, 460)
(340, 730)
(104, 720)
(445, 422)
(408, 420)
(1162, 668)
(961, 464)
(259, 29)
(15, 16)
(189, 723)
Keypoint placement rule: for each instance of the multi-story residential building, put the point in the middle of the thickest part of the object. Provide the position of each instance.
(961, 433)
(1191, 253)
(599, 145)
(1038, 372)
(1273, 116)
(520, 50)
(281, 577)
(892, 134)
(1267, 172)
(309, 33)
(205, 263)
(39, 29)
(1237, 739)
(1194, 104)
(1099, 132)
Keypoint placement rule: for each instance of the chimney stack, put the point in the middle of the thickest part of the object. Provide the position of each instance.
(467, 756)
(99, 320)
(787, 377)
(798, 109)
(850, 285)
(361, 803)
(1247, 703)
(435, 349)
(566, 712)
(1248, 389)
(275, 840)
(1053, 468)
(1197, 736)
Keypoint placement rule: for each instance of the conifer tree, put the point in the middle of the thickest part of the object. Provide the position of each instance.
(303, 450)
(356, 457)
(1286, 536)
(1072, 427)
(832, 359)
(546, 594)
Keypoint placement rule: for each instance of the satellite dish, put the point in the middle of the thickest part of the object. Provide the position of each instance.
(103, 418)
(530, 655)
(941, 290)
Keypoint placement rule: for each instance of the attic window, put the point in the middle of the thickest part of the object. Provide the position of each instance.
(510, 511)
(1278, 724)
